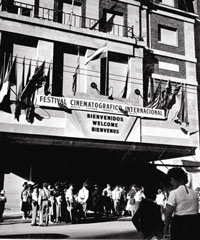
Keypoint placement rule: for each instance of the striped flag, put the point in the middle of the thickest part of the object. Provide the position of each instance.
(99, 53)
(182, 115)
(9, 80)
(154, 103)
(75, 75)
(47, 90)
(124, 95)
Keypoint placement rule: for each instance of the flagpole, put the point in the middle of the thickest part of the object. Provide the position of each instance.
(107, 87)
(78, 73)
(71, 14)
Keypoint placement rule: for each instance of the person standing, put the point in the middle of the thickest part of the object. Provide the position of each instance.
(43, 201)
(25, 207)
(139, 196)
(161, 201)
(82, 198)
(97, 202)
(35, 194)
(3, 201)
(70, 200)
(181, 214)
(130, 206)
(108, 204)
(116, 196)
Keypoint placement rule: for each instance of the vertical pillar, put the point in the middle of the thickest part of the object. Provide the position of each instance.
(58, 8)
(104, 85)
(57, 84)
(36, 8)
(1, 178)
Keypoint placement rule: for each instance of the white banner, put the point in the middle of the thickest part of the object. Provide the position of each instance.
(99, 106)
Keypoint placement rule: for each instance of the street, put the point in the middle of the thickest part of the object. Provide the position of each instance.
(13, 227)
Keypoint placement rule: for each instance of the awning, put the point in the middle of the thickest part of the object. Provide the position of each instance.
(127, 151)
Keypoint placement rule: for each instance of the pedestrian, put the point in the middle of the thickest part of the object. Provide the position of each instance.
(35, 208)
(108, 204)
(130, 206)
(82, 198)
(97, 202)
(139, 196)
(161, 201)
(71, 202)
(25, 207)
(181, 214)
(3, 201)
(44, 204)
(147, 218)
(116, 196)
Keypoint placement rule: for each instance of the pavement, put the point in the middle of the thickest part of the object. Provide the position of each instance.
(13, 227)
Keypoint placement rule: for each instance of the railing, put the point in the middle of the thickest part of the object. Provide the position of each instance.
(70, 19)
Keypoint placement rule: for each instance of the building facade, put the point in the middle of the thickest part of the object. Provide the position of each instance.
(96, 89)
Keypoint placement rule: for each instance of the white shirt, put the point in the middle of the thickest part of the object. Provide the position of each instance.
(83, 195)
(139, 195)
(35, 195)
(185, 201)
(69, 196)
(160, 199)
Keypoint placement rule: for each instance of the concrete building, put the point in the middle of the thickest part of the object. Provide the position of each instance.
(94, 113)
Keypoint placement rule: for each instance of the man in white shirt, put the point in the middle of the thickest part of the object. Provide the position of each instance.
(82, 198)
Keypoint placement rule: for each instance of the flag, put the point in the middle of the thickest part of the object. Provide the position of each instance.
(127, 78)
(99, 53)
(172, 97)
(168, 98)
(154, 103)
(30, 111)
(165, 95)
(47, 82)
(150, 90)
(182, 115)
(26, 98)
(22, 104)
(2, 72)
(36, 81)
(75, 75)
(9, 80)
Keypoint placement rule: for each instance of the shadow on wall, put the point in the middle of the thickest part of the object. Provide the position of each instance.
(13, 187)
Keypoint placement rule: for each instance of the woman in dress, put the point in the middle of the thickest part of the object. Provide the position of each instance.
(181, 214)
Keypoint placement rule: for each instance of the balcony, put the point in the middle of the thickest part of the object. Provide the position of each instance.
(70, 19)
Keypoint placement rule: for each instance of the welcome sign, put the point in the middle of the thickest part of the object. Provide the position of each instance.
(99, 106)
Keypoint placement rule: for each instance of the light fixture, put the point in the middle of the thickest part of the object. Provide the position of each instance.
(94, 86)
(137, 92)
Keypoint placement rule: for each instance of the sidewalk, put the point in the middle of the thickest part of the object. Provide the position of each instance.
(14, 227)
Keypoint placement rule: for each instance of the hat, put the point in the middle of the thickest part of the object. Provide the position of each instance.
(25, 183)
(2, 192)
(35, 185)
(45, 184)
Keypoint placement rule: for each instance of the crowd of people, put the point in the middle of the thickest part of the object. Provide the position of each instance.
(61, 202)
(170, 213)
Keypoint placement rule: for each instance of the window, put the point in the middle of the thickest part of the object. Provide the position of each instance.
(168, 66)
(75, 18)
(168, 2)
(114, 24)
(168, 35)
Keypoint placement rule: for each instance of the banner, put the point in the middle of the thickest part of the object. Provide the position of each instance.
(99, 106)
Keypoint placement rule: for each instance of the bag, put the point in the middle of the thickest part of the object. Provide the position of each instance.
(132, 201)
